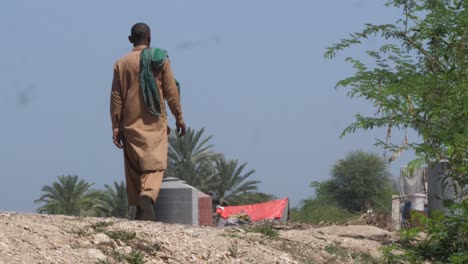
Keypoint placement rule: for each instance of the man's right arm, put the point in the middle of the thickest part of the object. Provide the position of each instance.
(116, 108)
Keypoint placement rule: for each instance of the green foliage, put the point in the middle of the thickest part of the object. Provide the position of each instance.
(190, 158)
(325, 191)
(316, 211)
(100, 227)
(230, 181)
(300, 251)
(445, 240)
(104, 261)
(364, 258)
(71, 196)
(389, 256)
(116, 255)
(418, 80)
(252, 198)
(266, 228)
(336, 250)
(342, 253)
(113, 201)
(419, 84)
(135, 257)
(121, 235)
(67, 196)
(358, 180)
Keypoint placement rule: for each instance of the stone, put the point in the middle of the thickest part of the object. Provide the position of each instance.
(124, 250)
(103, 239)
(95, 254)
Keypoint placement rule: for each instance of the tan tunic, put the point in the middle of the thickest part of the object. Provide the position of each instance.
(145, 134)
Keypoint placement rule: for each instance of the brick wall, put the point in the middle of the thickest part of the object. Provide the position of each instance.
(205, 210)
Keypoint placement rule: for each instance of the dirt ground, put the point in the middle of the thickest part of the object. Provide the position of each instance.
(34, 238)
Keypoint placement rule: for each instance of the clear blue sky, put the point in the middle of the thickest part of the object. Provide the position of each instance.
(252, 73)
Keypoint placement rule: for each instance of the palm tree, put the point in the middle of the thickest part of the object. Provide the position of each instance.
(190, 159)
(230, 182)
(113, 201)
(68, 196)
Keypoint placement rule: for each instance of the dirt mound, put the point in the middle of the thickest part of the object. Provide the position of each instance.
(33, 238)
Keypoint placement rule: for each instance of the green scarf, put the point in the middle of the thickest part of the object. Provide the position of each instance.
(149, 87)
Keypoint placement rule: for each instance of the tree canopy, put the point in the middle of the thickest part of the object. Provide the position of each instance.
(192, 159)
(112, 201)
(418, 79)
(360, 180)
(69, 196)
(231, 182)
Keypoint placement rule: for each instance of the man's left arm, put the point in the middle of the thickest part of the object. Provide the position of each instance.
(171, 95)
(116, 108)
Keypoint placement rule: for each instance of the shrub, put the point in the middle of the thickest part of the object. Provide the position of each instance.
(316, 211)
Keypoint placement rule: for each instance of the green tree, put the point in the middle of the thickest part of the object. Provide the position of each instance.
(113, 201)
(359, 180)
(325, 191)
(67, 196)
(191, 158)
(418, 79)
(230, 182)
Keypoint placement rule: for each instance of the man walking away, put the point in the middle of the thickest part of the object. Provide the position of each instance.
(142, 80)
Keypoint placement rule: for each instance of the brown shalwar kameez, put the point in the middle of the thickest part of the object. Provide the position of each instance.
(145, 135)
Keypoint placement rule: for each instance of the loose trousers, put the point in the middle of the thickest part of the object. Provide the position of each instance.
(140, 182)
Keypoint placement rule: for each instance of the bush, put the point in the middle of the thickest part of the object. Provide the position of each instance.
(265, 228)
(446, 239)
(316, 211)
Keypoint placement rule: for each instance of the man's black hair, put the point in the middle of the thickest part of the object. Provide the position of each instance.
(140, 32)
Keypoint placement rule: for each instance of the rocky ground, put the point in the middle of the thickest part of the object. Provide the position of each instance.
(33, 238)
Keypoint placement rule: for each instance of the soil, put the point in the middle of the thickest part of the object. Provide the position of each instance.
(36, 238)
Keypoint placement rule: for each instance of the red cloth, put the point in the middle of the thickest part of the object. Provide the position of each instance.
(268, 210)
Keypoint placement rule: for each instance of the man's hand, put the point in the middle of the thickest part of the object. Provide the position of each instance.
(180, 125)
(117, 137)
